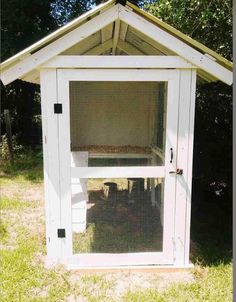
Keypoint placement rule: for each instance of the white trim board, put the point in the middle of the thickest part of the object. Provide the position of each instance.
(118, 62)
(117, 172)
(116, 14)
(60, 45)
(182, 49)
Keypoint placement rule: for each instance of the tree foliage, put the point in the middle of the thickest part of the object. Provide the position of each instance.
(209, 22)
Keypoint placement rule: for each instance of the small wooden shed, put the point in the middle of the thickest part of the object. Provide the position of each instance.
(118, 98)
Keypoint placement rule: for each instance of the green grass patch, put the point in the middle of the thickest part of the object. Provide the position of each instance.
(23, 281)
(27, 167)
(15, 204)
(215, 285)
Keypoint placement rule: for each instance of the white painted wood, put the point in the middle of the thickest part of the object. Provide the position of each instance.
(143, 75)
(138, 61)
(79, 193)
(99, 49)
(116, 36)
(107, 259)
(190, 165)
(170, 179)
(123, 32)
(106, 34)
(182, 158)
(172, 77)
(51, 164)
(121, 155)
(64, 171)
(52, 36)
(176, 45)
(117, 172)
(129, 48)
(83, 46)
(59, 45)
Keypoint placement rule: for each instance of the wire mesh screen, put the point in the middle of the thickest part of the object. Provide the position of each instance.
(120, 216)
(118, 118)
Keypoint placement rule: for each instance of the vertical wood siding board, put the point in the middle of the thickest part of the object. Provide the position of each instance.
(182, 162)
(52, 203)
(190, 164)
(45, 162)
(65, 165)
(176, 163)
(171, 141)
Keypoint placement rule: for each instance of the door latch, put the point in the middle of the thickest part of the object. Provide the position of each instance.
(178, 172)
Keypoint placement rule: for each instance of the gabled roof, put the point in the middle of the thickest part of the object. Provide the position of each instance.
(111, 29)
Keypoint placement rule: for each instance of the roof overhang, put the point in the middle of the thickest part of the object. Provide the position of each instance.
(112, 29)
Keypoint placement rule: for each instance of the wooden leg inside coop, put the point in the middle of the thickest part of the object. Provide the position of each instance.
(153, 199)
(110, 191)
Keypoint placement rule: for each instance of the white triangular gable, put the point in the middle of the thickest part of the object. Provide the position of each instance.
(106, 33)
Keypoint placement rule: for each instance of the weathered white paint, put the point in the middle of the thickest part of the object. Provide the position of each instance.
(117, 172)
(129, 48)
(79, 193)
(97, 50)
(116, 36)
(64, 171)
(176, 45)
(172, 77)
(58, 46)
(139, 61)
(190, 166)
(51, 164)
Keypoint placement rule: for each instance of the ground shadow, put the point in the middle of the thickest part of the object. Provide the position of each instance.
(120, 225)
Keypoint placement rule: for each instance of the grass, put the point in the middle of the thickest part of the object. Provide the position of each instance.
(25, 278)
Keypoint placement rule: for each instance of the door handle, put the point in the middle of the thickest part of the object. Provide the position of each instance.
(177, 172)
(171, 155)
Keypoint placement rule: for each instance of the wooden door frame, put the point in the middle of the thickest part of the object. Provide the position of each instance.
(184, 83)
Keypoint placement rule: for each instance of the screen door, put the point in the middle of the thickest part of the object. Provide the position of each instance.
(119, 144)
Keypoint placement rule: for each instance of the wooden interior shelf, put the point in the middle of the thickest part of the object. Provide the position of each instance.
(115, 149)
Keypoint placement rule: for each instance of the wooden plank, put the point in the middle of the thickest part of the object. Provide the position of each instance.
(123, 32)
(182, 163)
(51, 163)
(128, 48)
(65, 163)
(147, 269)
(113, 260)
(116, 36)
(121, 155)
(135, 39)
(79, 193)
(190, 165)
(157, 46)
(117, 172)
(118, 62)
(181, 35)
(46, 40)
(170, 179)
(106, 34)
(179, 47)
(99, 49)
(83, 46)
(58, 46)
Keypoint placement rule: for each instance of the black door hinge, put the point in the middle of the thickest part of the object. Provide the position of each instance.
(61, 233)
(57, 108)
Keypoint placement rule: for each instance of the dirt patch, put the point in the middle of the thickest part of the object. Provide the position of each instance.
(27, 192)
